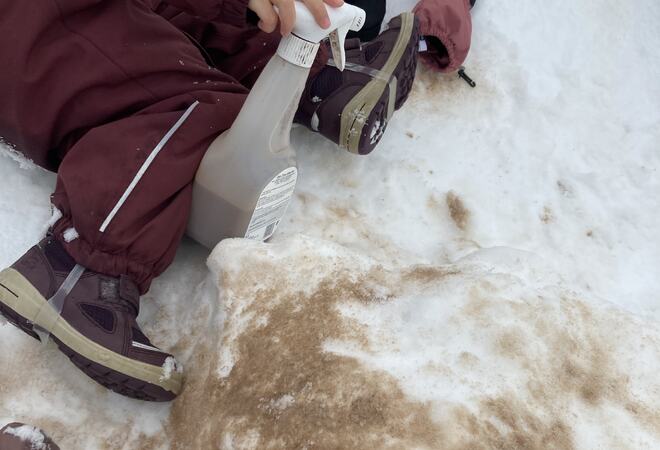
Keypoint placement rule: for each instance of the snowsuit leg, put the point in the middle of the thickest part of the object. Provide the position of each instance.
(123, 105)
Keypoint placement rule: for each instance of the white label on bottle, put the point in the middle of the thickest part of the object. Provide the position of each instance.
(272, 204)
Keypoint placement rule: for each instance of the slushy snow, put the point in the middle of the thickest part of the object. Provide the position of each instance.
(170, 366)
(487, 278)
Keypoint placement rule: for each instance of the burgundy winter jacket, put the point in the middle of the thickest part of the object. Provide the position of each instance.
(232, 11)
(447, 28)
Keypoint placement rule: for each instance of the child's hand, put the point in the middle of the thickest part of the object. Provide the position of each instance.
(265, 9)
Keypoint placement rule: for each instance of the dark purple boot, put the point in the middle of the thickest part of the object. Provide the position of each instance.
(97, 328)
(352, 108)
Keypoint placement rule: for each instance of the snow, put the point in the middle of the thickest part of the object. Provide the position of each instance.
(170, 366)
(70, 234)
(487, 278)
(377, 131)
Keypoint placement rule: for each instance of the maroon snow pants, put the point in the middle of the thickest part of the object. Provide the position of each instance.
(98, 89)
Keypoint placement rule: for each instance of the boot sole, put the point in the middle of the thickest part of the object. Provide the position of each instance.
(373, 106)
(20, 303)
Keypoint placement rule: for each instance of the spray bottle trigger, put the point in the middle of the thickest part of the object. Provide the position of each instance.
(338, 38)
(337, 41)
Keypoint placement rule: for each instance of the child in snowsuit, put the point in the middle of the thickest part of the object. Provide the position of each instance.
(92, 89)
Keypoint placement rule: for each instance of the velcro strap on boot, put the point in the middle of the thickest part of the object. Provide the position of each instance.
(129, 291)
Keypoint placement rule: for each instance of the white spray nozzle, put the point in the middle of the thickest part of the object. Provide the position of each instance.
(301, 45)
(338, 36)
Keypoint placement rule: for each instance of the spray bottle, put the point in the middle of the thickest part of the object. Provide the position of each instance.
(246, 179)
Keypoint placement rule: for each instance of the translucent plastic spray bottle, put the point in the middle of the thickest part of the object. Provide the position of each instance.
(247, 177)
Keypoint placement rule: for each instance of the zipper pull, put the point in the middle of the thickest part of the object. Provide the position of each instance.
(465, 77)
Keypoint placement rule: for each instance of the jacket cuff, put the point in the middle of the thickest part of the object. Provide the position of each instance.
(449, 21)
(234, 12)
(434, 59)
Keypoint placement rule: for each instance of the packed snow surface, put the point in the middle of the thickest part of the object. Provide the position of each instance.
(487, 278)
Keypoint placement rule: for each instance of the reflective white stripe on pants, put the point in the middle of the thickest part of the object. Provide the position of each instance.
(146, 165)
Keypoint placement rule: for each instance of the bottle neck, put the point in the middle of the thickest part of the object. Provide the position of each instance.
(298, 51)
(266, 117)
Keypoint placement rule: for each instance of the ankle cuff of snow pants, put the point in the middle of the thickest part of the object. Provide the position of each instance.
(112, 264)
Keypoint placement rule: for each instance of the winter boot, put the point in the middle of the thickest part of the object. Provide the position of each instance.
(17, 436)
(352, 108)
(97, 328)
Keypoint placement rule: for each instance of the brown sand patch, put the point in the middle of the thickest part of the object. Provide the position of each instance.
(547, 216)
(457, 210)
(285, 391)
(589, 376)
(507, 423)
(322, 400)
(583, 363)
(429, 83)
(511, 344)
(428, 274)
(360, 228)
(586, 369)
(342, 212)
(579, 363)
(468, 359)
(649, 417)
(476, 308)
(432, 88)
